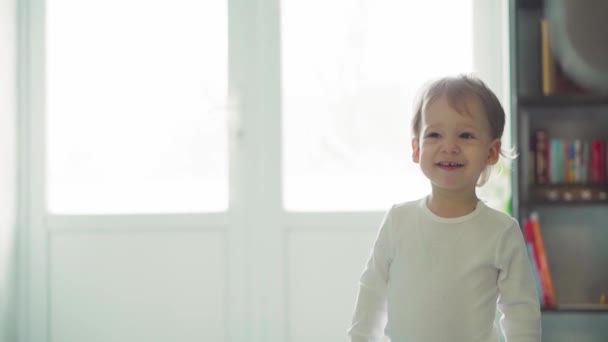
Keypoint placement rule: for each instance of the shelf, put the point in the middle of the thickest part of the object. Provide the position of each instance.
(578, 308)
(529, 3)
(564, 100)
(573, 204)
(568, 194)
(572, 216)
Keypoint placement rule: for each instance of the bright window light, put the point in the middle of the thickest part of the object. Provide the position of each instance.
(350, 72)
(136, 96)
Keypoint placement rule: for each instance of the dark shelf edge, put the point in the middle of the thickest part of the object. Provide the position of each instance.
(578, 308)
(529, 3)
(547, 203)
(564, 100)
(557, 194)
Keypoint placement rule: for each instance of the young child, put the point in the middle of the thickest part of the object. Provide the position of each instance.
(442, 265)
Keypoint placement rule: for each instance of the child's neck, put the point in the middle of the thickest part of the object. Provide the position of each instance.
(449, 205)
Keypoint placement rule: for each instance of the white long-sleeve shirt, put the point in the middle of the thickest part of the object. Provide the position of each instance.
(435, 279)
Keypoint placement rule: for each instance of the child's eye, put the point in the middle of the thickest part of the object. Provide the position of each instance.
(467, 136)
(433, 135)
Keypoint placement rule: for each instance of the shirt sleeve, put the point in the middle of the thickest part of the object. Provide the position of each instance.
(517, 300)
(370, 316)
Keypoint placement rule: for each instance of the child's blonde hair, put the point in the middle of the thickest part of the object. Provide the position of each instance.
(458, 90)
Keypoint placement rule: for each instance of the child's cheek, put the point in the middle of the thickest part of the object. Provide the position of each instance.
(428, 144)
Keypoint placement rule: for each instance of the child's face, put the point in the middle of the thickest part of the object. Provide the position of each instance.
(452, 148)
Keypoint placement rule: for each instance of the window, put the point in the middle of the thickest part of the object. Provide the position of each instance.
(349, 81)
(136, 104)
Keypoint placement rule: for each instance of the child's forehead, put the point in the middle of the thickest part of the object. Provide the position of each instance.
(441, 114)
(468, 107)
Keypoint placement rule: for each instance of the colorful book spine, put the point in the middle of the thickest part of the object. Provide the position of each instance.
(533, 266)
(598, 161)
(556, 159)
(571, 163)
(603, 161)
(554, 80)
(563, 161)
(542, 157)
(548, 62)
(578, 160)
(550, 300)
(586, 161)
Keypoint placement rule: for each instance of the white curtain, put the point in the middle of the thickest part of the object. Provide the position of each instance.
(8, 165)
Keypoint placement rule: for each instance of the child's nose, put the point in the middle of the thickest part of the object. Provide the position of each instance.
(450, 146)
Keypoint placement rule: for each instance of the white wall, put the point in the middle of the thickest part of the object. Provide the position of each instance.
(7, 169)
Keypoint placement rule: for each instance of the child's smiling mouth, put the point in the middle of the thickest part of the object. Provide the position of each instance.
(449, 165)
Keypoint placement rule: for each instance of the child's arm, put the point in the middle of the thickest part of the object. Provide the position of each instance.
(370, 314)
(517, 299)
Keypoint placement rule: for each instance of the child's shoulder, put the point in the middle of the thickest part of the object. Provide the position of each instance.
(498, 218)
(406, 209)
(408, 206)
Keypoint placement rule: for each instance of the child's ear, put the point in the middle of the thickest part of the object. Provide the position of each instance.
(494, 153)
(415, 150)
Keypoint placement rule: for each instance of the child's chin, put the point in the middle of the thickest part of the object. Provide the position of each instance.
(450, 186)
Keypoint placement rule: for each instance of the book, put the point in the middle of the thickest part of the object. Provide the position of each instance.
(532, 257)
(547, 60)
(571, 162)
(598, 161)
(586, 162)
(554, 78)
(541, 142)
(565, 159)
(542, 263)
(577, 161)
(602, 162)
(555, 161)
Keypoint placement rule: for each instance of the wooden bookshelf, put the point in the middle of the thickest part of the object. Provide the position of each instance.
(572, 216)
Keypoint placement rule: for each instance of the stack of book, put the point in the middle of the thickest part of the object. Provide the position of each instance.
(580, 162)
(561, 161)
(538, 259)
